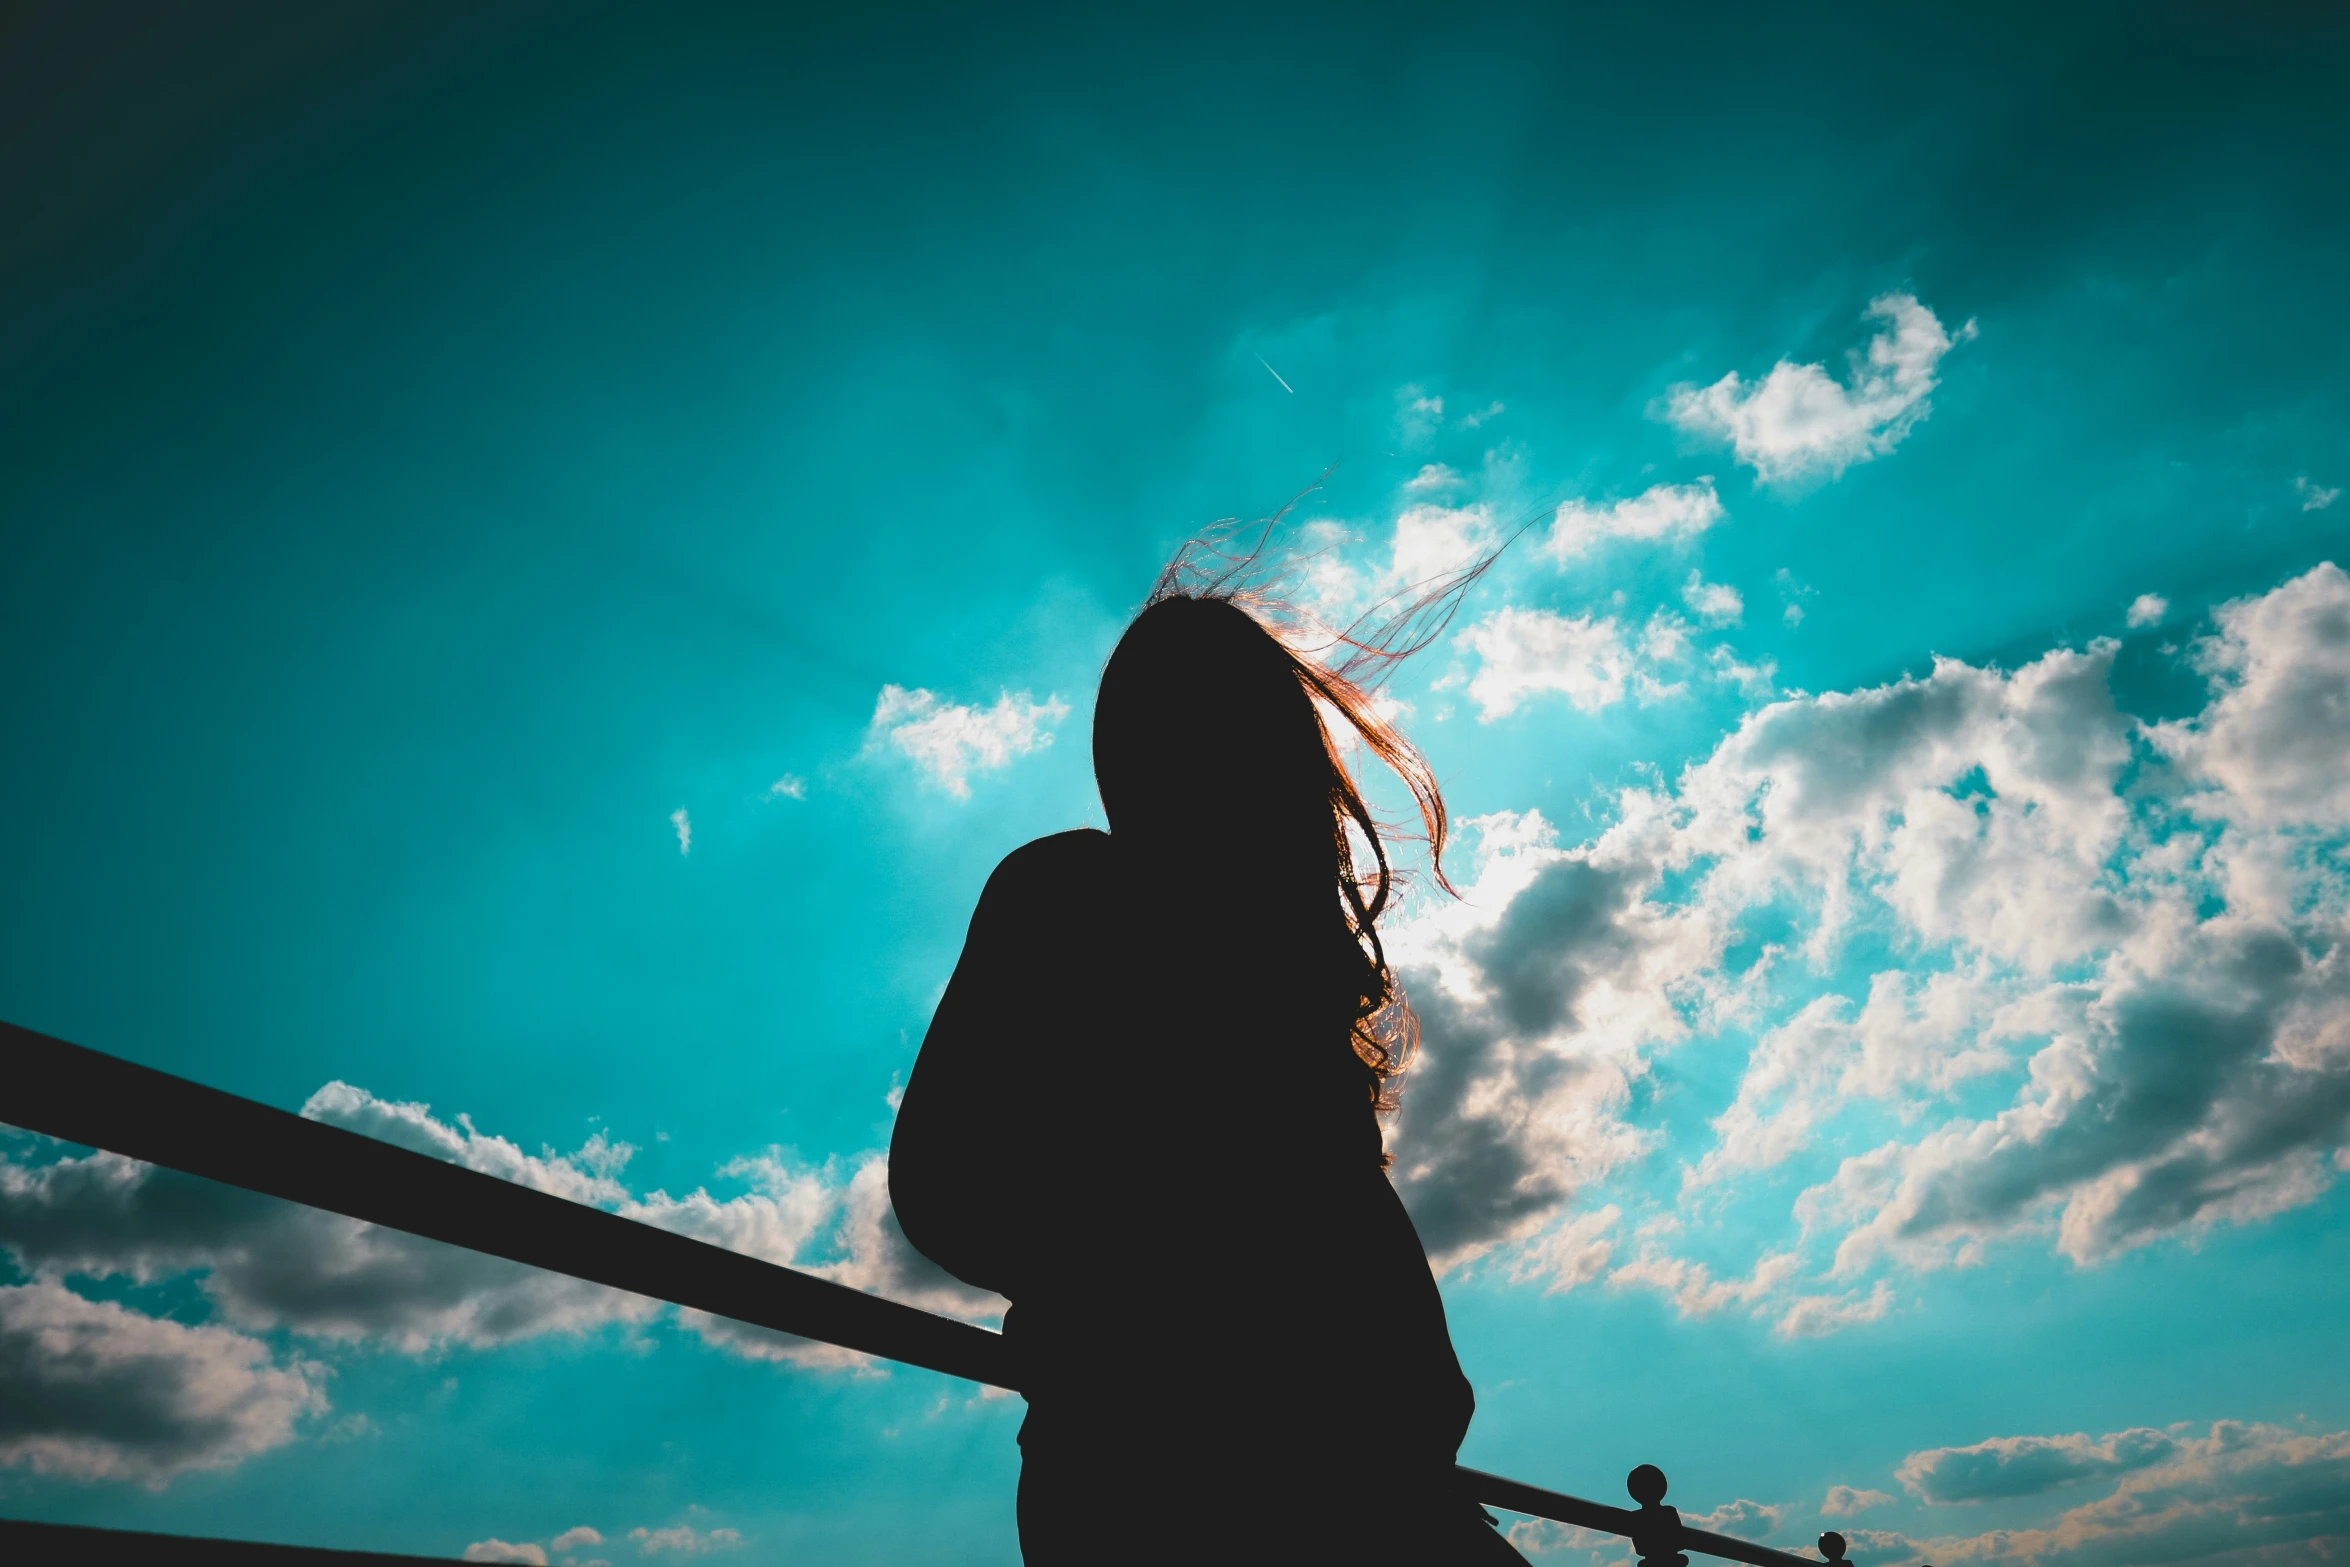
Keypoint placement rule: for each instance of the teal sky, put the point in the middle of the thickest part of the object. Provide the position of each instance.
(469, 485)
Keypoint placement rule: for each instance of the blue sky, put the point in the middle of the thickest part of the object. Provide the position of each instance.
(550, 554)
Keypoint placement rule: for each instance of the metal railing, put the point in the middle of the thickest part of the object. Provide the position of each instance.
(82, 1096)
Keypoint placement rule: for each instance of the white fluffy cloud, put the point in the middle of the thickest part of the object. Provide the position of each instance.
(1431, 541)
(1335, 580)
(1591, 660)
(2271, 746)
(1800, 420)
(1538, 994)
(91, 1390)
(1715, 603)
(1663, 513)
(2147, 609)
(1693, 1289)
(1527, 652)
(1845, 1501)
(1740, 1519)
(497, 1550)
(2132, 934)
(950, 741)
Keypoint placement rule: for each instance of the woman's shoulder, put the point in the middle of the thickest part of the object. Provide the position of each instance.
(1079, 852)
(1063, 866)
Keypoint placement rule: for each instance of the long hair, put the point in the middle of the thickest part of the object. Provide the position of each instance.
(1221, 699)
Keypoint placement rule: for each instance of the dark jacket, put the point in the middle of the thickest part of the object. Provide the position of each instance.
(1137, 1117)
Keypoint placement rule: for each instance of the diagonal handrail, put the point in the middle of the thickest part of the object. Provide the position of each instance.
(22, 1540)
(1644, 1525)
(83, 1096)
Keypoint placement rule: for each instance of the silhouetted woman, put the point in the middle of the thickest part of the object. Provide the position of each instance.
(1146, 1113)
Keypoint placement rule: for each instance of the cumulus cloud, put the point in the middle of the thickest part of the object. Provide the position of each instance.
(2127, 939)
(1765, 1292)
(790, 786)
(1543, 994)
(1569, 1254)
(2238, 1494)
(2008, 1466)
(683, 826)
(1526, 652)
(950, 741)
(2315, 497)
(91, 1390)
(1908, 1032)
(2271, 743)
(1537, 994)
(1693, 1289)
(496, 1550)
(1817, 1316)
(1431, 541)
(2147, 609)
(1592, 661)
(1800, 420)
(1742, 1519)
(1715, 603)
(572, 1539)
(1844, 1501)
(1444, 522)
(1663, 513)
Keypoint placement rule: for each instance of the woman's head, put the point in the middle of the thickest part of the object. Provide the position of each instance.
(1212, 747)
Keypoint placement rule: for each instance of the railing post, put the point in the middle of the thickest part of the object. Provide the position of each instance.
(1656, 1533)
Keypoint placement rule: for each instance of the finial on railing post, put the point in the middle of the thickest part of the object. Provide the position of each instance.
(1656, 1537)
(1832, 1546)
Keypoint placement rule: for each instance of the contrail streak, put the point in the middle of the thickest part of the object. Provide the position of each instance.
(1276, 375)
